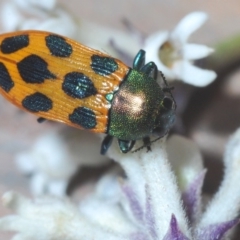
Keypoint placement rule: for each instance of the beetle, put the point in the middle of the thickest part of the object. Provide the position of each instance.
(59, 79)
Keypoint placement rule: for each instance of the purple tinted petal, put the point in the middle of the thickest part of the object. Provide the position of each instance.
(123, 55)
(192, 198)
(149, 215)
(135, 206)
(174, 233)
(215, 231)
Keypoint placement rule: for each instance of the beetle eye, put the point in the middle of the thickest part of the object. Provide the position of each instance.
(168, 103)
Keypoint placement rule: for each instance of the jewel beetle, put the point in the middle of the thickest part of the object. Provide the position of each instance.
(59, 79)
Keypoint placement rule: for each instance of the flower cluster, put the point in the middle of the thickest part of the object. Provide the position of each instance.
(145, 205)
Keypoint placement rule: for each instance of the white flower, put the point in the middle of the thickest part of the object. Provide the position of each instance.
(55, 156)
(173, 55)
(146, 205)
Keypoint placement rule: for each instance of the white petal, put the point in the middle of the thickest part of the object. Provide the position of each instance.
(156, 40)
(185, 158)
(38, 184)
(153, 170)
(10, 223)
(105, 214)
(19, 237)
(151, 46)
(160, 179)
(108, 187)
(131, 168)
(58, 187)
(193, 75)
(187, 26)
(226, 202)
(25, 163)
(57, 219)
(196, 51)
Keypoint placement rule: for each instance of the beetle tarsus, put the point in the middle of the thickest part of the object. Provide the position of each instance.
(151, 70)
(41, 120)
(147, 143)
(106, 143)
(125, 145)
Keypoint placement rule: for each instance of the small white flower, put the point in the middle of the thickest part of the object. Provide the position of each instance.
(173, 55)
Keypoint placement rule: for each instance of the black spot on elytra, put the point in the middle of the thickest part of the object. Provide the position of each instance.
(6, 82)
(34, 69)
(103, 65)
(15, 43)
(37, 102)
(84, 117)
(58, 46)
(78, 85)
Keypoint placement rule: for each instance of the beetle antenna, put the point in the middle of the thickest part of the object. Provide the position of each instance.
(143, 146)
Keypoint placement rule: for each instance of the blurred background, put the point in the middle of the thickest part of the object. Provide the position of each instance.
(207, 115)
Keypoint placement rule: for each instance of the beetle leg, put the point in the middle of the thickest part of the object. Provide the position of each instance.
(125, 145)
(139, 60)
(106, 143)
(167, 89)
(150, 69)
(147, 143)
(41, 119)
